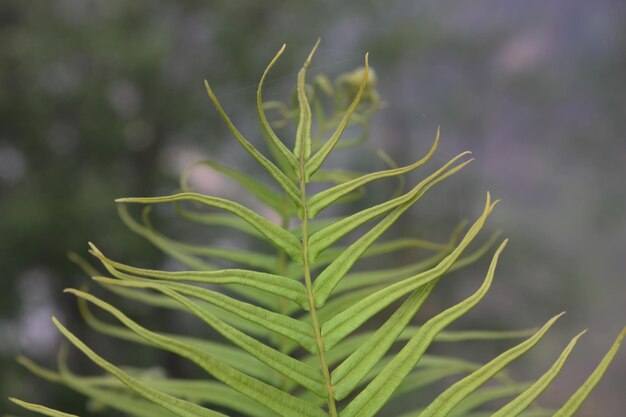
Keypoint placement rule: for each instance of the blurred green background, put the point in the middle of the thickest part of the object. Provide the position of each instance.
(102, 99)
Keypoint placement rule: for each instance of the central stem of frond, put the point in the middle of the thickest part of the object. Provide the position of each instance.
(332, 408)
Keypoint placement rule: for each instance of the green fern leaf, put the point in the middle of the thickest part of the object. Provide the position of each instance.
(295, 314)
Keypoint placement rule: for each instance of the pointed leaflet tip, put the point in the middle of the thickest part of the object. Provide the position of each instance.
(94, 250)
(318, 159)
(578, 398)
(435, 142)
(276, 146)
(310, 57)
(302, 148)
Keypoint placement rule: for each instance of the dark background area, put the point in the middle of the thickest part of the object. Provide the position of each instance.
(102, 99)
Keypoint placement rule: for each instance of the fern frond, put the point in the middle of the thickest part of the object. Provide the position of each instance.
(296, 314)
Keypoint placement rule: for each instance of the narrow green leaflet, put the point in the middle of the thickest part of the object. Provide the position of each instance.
(238, 359)
(99, 389)
(335, 176)
(182, 254)
(274, 284)
(316, 161)
(360, 279)
(187, 253)
(321, 200)
(282, 403)
(160, 301)
(477, 254)
(226, 220)
(576, 400)
(352, 370)
(258, 189)
(176, 405)
(425, 376)
(275, 234)
(173, 249)
(355, 280)
(350, 319)
(303, 132)
(116, 399)
(201, 391)
(455, 336)
(382, 248)
(428, 371)
(519, 404)
(277, 147)
(161, 242)
(444, 403)
(329, 255)
(286, 365)
(486, 395)
(376, 394)
(285, 182)
(353, 342)
(247, 258)
(283, 325)
(314, 226)
(328, 279)
(325, 237)
(40, 409)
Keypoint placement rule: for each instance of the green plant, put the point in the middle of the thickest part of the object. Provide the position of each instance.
(292, 317)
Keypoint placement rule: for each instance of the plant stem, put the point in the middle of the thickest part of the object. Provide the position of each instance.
(332, 408)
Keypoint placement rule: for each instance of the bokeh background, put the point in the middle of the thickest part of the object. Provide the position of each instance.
(101, 99)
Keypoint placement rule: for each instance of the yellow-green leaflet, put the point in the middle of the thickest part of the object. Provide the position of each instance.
(238, 359)
(277, 235)
(271, 283)
(278, 149)
(519, 404)
(352, 317)
(350, 372)
(281, 178)
(325, 237)
(330, 277)
(316, 161)
(443, 404)
(177, 406)
(327, 197)
(283, 325)
(40, 409)
(575, 401)
(263, 193)
(265, 394)
(299, 372)
(303, 133)
(377, 392)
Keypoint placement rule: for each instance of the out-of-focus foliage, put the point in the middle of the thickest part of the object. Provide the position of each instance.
(100, 98)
